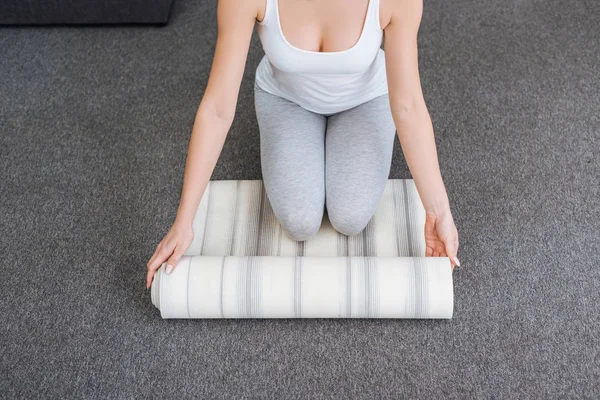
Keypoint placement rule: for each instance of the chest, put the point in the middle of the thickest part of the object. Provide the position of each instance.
(313, 36)
(322, 26)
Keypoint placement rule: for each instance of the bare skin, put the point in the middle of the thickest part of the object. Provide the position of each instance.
(326, 26)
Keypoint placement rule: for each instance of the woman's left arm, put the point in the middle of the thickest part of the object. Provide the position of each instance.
(414, 127)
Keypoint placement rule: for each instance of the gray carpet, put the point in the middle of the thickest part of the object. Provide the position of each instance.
(94, 126)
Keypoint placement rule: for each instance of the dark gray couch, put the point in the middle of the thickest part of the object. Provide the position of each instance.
(37, 12)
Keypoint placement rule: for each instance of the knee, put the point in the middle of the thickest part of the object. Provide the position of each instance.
(299, 224)
(349, 221)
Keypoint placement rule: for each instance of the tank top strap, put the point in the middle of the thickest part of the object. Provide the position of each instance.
(374, 13)
(269, 11)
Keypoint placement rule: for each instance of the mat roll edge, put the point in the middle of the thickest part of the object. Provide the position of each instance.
(305, 287)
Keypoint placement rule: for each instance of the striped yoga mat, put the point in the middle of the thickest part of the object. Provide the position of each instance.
(242, 264)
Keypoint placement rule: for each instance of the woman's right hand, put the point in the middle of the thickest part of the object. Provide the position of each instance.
(170, 249)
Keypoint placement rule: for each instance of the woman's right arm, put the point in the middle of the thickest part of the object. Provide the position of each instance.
(235, 21)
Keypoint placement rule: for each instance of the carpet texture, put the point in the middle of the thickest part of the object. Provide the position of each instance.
(94, 127)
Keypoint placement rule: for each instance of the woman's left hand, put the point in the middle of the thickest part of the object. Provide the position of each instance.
(441, 236)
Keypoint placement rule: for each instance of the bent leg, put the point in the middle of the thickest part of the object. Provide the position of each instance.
(358, 157)
(292, 150)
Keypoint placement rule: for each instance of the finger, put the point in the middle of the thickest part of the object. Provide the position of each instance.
(165, 251)
(149, 278)
(439, 249)
(156, 251)
(159, 247)
(173, 261)
(149, 266)
(156, 264)
(451, 250)
(428, 248)
(429, 251)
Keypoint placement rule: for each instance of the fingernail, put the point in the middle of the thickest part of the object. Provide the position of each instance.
(456, 261)
(169, 268)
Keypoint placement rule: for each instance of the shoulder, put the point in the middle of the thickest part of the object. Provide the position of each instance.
(400, 11)
(251, 8)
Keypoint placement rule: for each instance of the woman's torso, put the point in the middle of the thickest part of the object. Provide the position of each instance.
(323, 82)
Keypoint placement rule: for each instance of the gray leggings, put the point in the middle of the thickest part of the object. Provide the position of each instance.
(313, 163)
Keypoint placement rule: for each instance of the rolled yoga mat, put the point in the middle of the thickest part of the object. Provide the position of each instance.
(242, 264)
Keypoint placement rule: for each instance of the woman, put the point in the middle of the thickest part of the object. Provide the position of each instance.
(328, 101)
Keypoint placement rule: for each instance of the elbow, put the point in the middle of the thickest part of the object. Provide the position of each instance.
(408, 109)
(223, 115)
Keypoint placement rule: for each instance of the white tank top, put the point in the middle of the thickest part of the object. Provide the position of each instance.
(322, 82)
